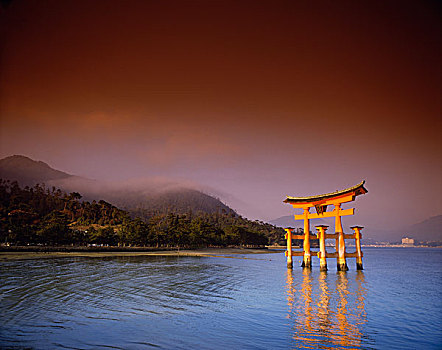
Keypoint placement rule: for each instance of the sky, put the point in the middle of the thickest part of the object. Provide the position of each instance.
(251, 100)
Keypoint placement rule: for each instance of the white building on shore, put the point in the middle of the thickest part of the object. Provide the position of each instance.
(407, 241)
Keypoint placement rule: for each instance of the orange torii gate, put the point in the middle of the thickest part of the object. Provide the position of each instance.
(321, 202)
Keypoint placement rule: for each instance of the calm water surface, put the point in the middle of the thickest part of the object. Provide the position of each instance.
(220, 303)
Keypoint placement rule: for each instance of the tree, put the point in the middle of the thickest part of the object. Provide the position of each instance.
(53, 229)
(134, 232)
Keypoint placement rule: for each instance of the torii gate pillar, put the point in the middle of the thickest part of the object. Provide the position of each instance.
(358, 237)
(322, 252)
(341, 263)
(307, 260)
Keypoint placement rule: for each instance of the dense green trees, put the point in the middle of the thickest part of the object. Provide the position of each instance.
(48, 216)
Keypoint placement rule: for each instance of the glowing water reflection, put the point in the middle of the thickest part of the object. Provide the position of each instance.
(326, 310)
(217, 303)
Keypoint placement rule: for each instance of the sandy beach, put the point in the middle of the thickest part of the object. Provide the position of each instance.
(207, 252)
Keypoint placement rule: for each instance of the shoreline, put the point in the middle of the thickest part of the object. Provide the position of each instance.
(7, 255)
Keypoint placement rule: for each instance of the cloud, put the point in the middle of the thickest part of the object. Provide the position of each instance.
(191, 144)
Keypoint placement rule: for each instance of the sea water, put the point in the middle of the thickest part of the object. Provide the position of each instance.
(239, 302)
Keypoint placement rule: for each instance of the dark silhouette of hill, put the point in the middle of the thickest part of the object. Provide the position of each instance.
(142, 198)
(28, 172)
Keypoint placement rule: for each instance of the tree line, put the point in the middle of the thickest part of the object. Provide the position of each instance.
(49, 216)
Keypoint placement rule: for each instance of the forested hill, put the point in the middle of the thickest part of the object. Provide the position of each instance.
(144, 198)
(48, 216)
(180, 200)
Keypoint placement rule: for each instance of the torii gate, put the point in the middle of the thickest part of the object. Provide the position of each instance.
(320, 203)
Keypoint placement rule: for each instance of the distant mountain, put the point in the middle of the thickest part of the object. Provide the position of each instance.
(427, 230)
(143, 197)
(373, 235)
(284, 221)
(289, 221)
(28, 172)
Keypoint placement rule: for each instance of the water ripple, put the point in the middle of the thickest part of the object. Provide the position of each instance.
(215, 303)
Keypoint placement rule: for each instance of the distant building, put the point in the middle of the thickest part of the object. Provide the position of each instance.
(407, 241)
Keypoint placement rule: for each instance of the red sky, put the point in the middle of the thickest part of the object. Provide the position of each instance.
(253, 99)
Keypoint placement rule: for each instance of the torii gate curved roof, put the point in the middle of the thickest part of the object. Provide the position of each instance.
(354, 191)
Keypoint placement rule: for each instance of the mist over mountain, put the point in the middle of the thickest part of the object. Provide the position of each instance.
(145, 197)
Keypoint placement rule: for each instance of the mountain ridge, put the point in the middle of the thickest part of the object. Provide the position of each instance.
(145, 198)
(28, 172)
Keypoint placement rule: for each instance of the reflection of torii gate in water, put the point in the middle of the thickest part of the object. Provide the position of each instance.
(328, 316)
(321, 202)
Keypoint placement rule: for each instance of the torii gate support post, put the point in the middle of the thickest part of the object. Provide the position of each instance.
(307, 261)
(322, 252)
(288, 253)
(358, 237)
(340, 241)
